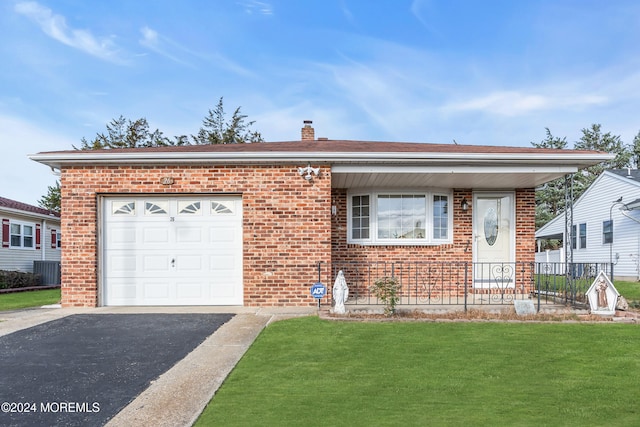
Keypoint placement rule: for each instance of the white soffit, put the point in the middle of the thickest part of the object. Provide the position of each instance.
(495, 177)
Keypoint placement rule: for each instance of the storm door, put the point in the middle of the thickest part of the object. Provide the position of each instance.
(494, 240)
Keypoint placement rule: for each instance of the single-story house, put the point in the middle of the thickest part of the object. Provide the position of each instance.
(29, 233)
(606, 225)
(248, 224)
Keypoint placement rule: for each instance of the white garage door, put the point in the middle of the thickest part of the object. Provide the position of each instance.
(172, 251)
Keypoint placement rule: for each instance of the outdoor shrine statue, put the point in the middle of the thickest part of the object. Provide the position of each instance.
(340, 293)
(602, 296)
(601, 289)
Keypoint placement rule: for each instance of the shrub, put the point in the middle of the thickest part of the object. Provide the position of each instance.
(18, 279)
(387, 289)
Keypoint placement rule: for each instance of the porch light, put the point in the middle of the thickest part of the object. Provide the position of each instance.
(464, 205)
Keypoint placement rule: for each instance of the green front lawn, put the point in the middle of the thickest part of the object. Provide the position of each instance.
(629, 290)
(17, 300)
(312, 372)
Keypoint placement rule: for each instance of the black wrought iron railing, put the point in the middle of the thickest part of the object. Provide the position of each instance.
(466, 283)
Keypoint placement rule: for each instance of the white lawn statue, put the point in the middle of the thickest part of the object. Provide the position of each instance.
(340, 293)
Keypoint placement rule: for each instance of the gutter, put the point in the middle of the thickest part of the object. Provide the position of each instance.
(57, 160)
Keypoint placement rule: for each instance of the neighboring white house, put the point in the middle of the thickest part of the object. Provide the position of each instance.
(29, 234)
(606, 224)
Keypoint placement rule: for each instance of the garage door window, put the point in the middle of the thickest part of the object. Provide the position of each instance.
(156, 208)
(123, 208)
(221, 208)
(189, 208)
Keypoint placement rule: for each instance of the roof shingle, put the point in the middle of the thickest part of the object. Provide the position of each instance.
(13, 204)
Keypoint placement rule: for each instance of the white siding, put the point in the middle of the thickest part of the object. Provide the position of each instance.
(22, 259)
(595, 207)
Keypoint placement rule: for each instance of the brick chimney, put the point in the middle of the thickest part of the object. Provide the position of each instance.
(308, 133)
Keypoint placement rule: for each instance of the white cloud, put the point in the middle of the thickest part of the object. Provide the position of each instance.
(55, 26)
(152, 40)
(180, 54)
(253, 6)
(516, 103)
(422, 11)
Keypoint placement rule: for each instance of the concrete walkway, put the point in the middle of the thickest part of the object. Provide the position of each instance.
(178, 396)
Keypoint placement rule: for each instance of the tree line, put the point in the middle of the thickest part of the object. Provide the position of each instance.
(126, 133)
(550, 197)
(215, 129)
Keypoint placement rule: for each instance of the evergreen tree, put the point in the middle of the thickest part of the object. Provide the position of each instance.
(635, 151)
(216, 130)
(124, 133)
(51, 201)
(550, 196)
(593, 139)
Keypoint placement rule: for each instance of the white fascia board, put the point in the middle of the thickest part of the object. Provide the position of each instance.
(83, 157)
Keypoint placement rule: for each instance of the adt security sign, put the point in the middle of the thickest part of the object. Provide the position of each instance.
(318, 290)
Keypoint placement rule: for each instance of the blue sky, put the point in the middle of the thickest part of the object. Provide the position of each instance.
(494, 72)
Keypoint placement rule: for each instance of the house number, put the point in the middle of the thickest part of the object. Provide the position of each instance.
(166, 180)
(171, 219)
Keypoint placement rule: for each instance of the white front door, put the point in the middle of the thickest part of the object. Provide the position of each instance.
(172, 251)
(494, 240)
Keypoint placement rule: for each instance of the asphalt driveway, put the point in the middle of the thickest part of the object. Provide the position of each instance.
(83, 369)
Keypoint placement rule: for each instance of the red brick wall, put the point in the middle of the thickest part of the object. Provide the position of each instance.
(286, 224)
(526, 225)
(460, 251)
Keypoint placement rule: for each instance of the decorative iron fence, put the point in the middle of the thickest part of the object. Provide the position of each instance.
(466, 283)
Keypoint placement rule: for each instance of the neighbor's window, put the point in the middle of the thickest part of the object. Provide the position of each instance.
(22, 235)
(607, 231)
(399, 218)
(583, 236)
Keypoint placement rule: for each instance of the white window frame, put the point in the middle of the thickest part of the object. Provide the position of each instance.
(607, 234)
(373, 239)
(22, 235)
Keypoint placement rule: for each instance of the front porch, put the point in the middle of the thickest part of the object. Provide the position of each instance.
(465, 284)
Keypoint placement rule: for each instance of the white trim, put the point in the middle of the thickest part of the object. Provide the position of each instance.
(572, 160)
(374, 240)
(33, 236)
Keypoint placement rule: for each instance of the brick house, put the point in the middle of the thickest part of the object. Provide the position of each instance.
(254, 224)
